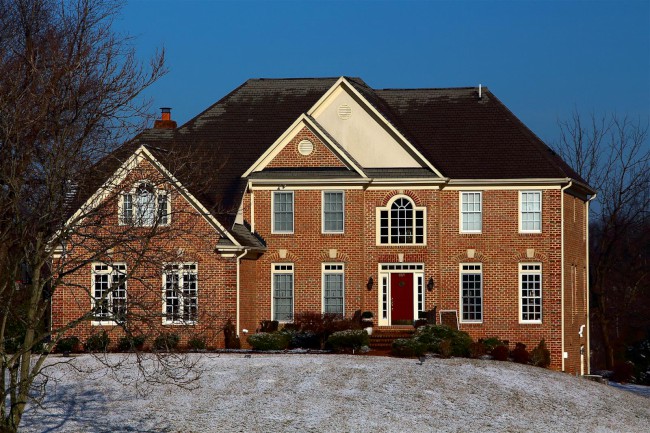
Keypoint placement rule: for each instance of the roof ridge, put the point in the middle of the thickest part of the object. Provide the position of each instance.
(484, 88)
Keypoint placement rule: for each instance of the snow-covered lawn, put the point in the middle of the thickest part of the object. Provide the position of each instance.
(339, 393)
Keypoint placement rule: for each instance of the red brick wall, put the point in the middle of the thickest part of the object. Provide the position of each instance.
(575, 293)
(322, 156)
(500, 248)
(189, 238)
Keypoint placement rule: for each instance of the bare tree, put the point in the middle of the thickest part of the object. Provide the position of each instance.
(70, 92)
(612, 154)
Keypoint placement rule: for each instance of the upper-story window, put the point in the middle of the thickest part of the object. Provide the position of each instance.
(471, 212)
(282, 212)
(333, 211)
(530, 211)
(145, 206)
(401, 223)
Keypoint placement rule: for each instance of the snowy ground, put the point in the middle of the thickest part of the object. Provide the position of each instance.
(339, 393)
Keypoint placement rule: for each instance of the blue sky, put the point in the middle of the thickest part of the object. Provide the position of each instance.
(542, 59)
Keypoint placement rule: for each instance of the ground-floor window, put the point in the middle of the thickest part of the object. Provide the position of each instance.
(282, 281)
(109, 292)
(530, 283)
(181, 293)
(471, 292)
(333, 288)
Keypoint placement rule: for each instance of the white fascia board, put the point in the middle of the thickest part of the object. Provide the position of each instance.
(121, 173)
(319, 105)
(288, 135)
(548, 182)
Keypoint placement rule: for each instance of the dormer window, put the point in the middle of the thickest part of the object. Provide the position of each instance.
(145, 206)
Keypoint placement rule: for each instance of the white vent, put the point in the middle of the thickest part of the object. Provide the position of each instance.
(344, 112)
(305, 147)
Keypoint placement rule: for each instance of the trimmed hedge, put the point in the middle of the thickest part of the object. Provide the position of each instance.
(130, 343)
(433, 337)
(166, 341)
(408, 348)
(269, 341)
(97, 342)
(348, 339)
(67, 344)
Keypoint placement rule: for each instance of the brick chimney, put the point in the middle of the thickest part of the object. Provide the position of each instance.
(166, 121)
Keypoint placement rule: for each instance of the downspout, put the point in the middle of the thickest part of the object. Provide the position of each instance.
(238, 284)
(588, 285)
(564, 188)
(252, 208)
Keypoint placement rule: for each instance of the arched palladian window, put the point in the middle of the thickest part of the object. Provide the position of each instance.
(144, 206)
(400, 222)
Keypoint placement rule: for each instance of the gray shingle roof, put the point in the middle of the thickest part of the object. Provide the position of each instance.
(463, 136)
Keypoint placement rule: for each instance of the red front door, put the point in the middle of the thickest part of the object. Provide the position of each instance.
(401, 286)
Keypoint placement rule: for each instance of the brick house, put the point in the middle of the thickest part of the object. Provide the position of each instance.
(327, 195)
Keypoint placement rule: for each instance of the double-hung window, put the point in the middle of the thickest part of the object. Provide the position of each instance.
(333, 288)
(530, 283)
(471, 212)
(282, 282)
(401, 223)
(282, 212)
(333, 211)
(180, 284)
(471, 292)
(144, 206)
(109, 292)
(530, 211)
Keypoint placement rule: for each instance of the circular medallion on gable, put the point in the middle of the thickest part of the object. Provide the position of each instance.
(344, 111)
(305, 147)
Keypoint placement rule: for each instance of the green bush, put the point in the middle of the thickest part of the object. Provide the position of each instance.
(130, 343)
(492, 342)
(269, 341)
(434, 335)
(541, 356)
(198, 343)
(97, 342)
(348, 339)
(67, 344)
(408, 348)
(303, 339)
(166, 341)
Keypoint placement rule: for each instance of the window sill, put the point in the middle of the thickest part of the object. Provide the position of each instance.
(177, 323)
(530, 322)
(103, 323)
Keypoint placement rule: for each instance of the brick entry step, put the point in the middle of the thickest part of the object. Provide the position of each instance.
(382, 338)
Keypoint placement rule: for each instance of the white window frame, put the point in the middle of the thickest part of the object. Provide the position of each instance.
(332, 269)
(387, 208)
(157, 220)
(323, 230)
(521, 211)
(462, 271)
(293, 213)
(111, 270)
(461, 194)
(522, 272)
(283, 269)
(182, 268)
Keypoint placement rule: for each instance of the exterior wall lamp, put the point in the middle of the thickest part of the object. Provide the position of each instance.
(370, 283)
(430, 284)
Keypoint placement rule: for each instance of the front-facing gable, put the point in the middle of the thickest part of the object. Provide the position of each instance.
(363, 131)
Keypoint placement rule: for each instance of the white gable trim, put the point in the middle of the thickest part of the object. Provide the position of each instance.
(120, 174)
(289, 134)
(344, 84)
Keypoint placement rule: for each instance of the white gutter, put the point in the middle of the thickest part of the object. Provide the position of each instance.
(564, 188)
(238, 284)
(252, 207)
(587, 283)
(500, 182)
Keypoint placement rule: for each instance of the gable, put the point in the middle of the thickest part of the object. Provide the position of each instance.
(296, 153)
(362, 133)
